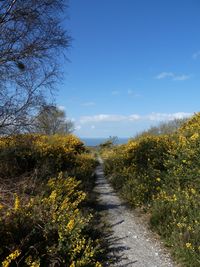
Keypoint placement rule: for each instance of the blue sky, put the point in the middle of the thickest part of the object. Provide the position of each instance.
(132, 64)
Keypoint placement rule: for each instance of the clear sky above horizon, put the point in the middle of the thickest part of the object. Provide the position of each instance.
(132, 64)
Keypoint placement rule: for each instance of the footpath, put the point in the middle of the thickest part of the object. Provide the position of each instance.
(131, 242)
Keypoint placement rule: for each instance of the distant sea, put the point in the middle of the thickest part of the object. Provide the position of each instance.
(97, 141)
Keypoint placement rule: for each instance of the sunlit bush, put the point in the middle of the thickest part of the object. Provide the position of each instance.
(175, 215)
(136, 168)
(49, 224)
(163, 173)
(49, 230)
(48, 154)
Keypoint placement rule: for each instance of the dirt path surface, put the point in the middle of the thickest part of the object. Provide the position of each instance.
(132, 243)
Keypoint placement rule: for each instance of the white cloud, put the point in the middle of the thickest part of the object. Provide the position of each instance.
(88, 104)
(102, 118)
(93, 126)
(133, 117)
(163, 75)
(196, 55)
(173, 76)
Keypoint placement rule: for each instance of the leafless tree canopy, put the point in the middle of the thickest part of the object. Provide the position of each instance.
(52, 120)
(32, 41)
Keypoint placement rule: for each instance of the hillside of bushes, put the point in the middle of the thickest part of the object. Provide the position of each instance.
(44, 220)
(161, 174)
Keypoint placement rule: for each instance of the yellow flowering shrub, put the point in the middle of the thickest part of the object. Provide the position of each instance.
(163, 172)
(17, 154)
(136, 168)
(50, 154)
(175, 215)
(49, 224)
(11, 257)
(191, 127)
(50, 230)
(83, 169)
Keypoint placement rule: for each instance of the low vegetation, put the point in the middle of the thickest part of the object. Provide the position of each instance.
(44, 219)
(160, 173)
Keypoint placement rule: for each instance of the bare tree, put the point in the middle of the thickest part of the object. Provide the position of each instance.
(52, 120)
(32, 41)
(168, 127)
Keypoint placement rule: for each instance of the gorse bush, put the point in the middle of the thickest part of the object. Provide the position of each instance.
(162, 173)
(175, 212)
(83, 170)
(17, 155)
(175, 215)
(191, 127)
(49, 224)
(48, 230)
(136, 168)
(48, 154)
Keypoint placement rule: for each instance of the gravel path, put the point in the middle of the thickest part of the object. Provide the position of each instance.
(132, 243)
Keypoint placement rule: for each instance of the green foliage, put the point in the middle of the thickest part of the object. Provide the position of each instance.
(136, 168)
(163, 173)
(49, 226)
(84, 170)
(48, 230)
(191, 126)
(47, 154)
(175, 215)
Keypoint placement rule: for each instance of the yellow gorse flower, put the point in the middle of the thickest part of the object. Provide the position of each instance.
(29, 261)
(188, 245)
(17, 203)
(70, 225)
(12, 256)
(57, 209)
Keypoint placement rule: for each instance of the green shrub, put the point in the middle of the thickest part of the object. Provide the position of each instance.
(49, 230)
(175, 215)
(163, 172)
(48, 154)
(137, 168)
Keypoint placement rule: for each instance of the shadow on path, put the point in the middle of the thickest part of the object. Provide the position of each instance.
(129, 241)
(117, 245)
